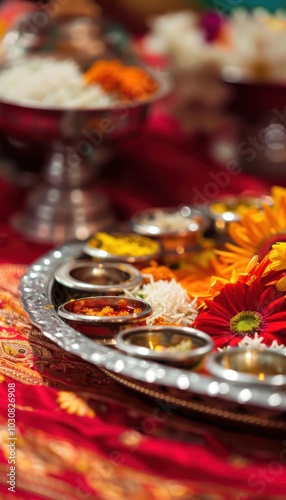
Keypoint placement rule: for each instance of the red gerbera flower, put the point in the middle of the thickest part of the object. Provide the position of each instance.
(244, 310)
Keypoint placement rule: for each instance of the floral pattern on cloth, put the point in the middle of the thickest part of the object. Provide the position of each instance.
(26, 354)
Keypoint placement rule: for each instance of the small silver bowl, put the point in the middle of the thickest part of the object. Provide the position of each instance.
(177, 229)
(101, 254)
(166, 344)
(82, 314)
(105, 278)
(227, 209)
(249, 365)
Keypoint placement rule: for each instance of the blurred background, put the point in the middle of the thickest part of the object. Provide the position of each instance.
(222, 128)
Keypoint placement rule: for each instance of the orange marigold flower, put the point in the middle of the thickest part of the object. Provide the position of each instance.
(127, 82)
(159, 272)
(161, 322)
(195, 274)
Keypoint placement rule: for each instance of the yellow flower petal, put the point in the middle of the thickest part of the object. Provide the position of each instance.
(277, 257)
(281, 285)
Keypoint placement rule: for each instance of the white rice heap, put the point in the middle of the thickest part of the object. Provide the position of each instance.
(52, 83)
(168, 300)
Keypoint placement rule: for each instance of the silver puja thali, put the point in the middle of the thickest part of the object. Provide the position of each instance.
(250, 403)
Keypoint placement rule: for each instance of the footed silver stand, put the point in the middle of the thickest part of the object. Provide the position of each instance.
(65, 204)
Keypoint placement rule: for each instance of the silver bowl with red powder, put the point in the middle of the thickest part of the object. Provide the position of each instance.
(104, 316)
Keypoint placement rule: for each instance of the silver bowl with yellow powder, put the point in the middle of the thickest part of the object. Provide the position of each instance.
(122, 247)
(222, 211)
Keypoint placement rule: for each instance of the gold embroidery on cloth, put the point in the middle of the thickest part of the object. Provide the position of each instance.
(72, 403)
(27, 355)
(12, 314)
(10, 275)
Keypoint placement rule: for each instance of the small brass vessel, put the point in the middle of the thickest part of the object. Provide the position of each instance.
(249, 365)
(174, 345)
(176, 228)
(106, 278)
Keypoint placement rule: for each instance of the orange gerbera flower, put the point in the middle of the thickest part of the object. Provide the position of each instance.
(195, 274)
(254, 270)
(255, 234)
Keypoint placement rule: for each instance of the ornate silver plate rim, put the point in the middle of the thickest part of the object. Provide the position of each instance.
(35, 294)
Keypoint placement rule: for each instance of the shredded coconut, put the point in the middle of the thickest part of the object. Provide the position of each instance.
(162, 221)
(168, 300)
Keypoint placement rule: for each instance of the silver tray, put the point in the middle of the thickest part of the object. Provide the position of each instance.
(190, 390)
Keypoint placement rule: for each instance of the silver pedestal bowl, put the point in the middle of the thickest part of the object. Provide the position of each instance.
(64, 204)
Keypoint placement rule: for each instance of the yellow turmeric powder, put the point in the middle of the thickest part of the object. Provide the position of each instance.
(124, 244)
